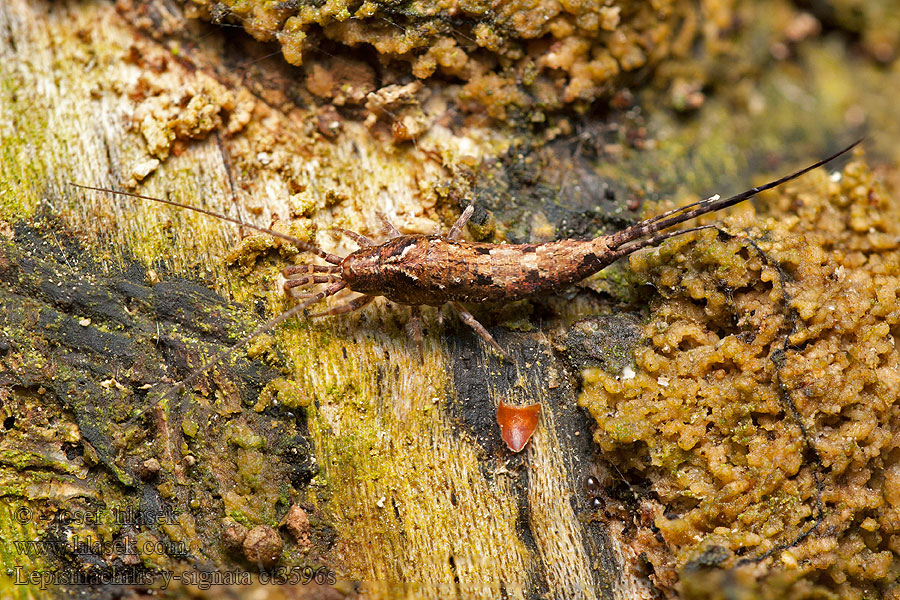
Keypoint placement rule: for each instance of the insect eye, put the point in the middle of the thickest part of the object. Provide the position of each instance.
(348, 272)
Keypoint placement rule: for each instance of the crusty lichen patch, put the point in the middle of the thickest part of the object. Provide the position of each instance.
(531, 55)
(770, 362)
(168, 113)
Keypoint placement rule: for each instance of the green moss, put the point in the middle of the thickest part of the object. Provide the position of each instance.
(22, 130)
(25, 459)
(150, 550)
(284, 392)
(19, 520)
(251, 466)
(190, 427)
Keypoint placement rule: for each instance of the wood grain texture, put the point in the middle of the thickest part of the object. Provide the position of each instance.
(413, 480)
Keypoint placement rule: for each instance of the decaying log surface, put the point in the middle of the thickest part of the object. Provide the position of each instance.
(398, 463)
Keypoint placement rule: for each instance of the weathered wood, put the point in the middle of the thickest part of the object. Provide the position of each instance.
(414, 484)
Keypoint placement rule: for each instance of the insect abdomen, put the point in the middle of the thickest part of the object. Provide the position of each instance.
(514, 271)
(434, 270)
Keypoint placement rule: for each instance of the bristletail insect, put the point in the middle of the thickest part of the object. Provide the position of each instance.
(434, 270)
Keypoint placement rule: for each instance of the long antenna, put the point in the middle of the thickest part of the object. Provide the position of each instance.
(333, 259)
(295, 310)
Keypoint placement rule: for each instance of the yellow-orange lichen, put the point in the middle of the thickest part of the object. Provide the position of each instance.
(532, 54)
(771, 361)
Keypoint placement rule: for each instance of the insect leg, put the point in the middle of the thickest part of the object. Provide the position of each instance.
(297, 294)
(329, 291)
(359, 238)
(414, 330)
(349, 306)
(388, 226)
(472, 322)
(456, 230)
(310, 269)
(305, 279)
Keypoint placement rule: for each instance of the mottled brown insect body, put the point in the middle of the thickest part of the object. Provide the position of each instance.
(434, 270)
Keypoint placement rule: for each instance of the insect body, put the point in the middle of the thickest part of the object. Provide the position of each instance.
(433, 270)
(436, 269)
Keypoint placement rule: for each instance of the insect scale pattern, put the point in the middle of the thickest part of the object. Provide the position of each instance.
(433, 270)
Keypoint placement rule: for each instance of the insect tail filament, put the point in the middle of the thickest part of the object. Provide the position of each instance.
(677, 216)
(655, 240)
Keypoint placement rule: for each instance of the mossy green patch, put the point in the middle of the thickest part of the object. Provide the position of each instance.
(22, 130)
(284, 392)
